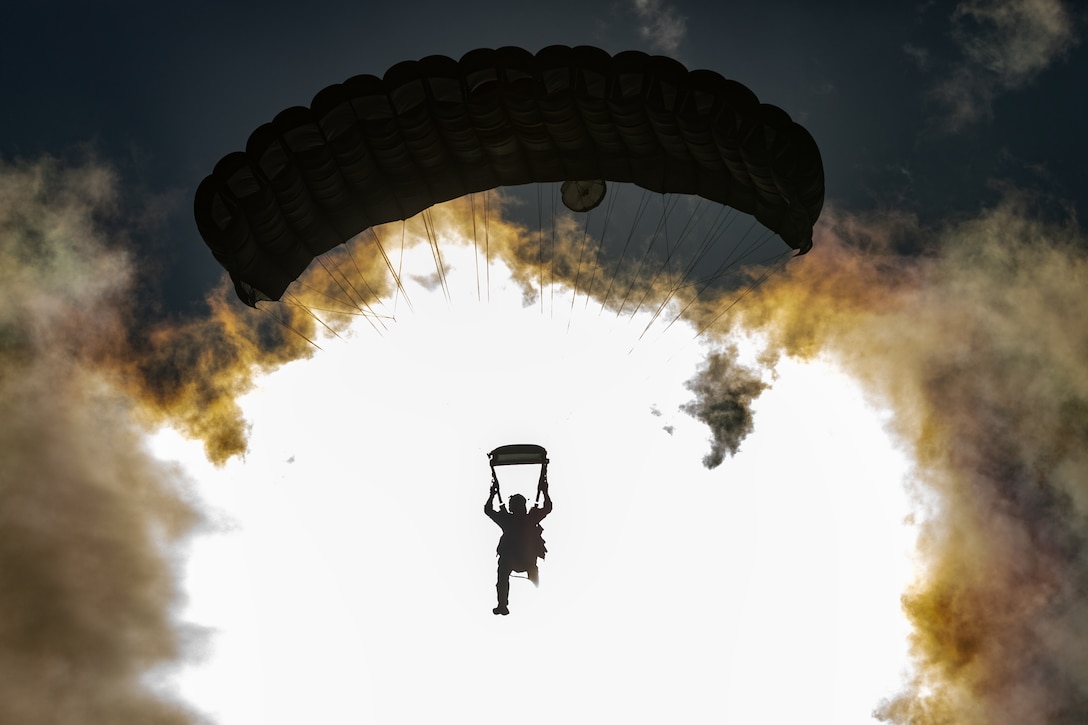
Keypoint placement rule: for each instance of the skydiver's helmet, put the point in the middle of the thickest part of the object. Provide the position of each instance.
(517, 504)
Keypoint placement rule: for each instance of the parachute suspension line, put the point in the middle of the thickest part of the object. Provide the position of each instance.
(722, 222)
(400, 259)
(600, 245)
(475, 243)
(721, 271)
(356, 311)
(351, 309)
(643, 203)
(703, 284)
(432, 238)
(724, 269)
(726, 216)
(731, 260)
(487, 241)
(389, 265)
(296, 302)
(578, 271)
(288, 327)
(667, 205)
(373, 293)
(352, 313)
(301, 305)
(696, 214)
(551, 264)
(357, 304)
(779, 264)
(780, 261)
(360, 299)
(540, 243)
(350, 301)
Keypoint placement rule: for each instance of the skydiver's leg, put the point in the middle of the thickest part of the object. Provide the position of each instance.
(502, 587)
(533, 572)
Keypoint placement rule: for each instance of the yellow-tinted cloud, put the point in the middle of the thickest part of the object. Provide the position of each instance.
(978, 345)
(980, 349)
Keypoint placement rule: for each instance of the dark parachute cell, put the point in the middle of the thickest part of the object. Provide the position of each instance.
(374, 150)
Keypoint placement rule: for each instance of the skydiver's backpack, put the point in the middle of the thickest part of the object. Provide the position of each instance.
(539, 550)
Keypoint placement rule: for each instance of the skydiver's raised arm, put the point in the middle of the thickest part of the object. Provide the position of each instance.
(547, 508)
(542, 485)
(489, 508)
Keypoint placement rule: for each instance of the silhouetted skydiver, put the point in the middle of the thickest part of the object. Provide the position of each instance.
(522, 540)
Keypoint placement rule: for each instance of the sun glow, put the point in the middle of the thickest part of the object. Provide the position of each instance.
(352, 575)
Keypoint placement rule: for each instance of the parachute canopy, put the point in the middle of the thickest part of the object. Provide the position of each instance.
(374, 150)
(518, 454)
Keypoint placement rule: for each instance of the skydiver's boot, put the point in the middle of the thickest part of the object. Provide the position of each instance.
(502, 588)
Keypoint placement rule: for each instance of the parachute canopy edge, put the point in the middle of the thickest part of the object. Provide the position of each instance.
(314, 178)
(518, 454)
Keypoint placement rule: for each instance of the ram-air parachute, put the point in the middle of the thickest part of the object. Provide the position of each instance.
(374, 150)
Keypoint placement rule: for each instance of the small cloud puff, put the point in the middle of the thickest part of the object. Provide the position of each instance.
(661, 25)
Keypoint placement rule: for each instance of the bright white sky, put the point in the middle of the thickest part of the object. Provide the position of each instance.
(351, 578)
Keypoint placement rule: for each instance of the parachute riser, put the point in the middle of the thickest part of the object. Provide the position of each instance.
(519, 454)
(496, 489)
(542, 484)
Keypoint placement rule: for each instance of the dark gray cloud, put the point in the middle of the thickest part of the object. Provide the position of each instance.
(724, 392)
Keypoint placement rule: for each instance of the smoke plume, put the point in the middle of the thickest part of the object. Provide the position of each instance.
(190, 373)
(89, 521)
(724, 391)
(980, 348)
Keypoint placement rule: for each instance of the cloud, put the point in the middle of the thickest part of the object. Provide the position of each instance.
(89, 522)
(979, 347)
(661, 25)
(1004, 45)
(191, 373)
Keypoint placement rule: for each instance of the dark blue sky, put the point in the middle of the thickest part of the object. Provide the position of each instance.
(916, 106)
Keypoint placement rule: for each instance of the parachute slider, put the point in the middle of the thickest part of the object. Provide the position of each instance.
(583, 195)
(518, 454)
